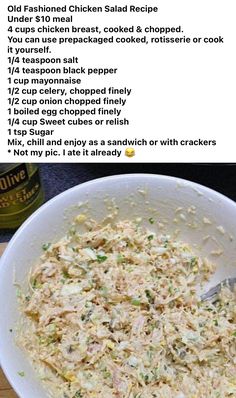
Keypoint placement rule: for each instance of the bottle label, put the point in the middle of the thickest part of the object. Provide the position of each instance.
(12, 178)
(18, 190)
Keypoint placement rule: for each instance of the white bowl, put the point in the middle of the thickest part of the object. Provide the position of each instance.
(200, 216)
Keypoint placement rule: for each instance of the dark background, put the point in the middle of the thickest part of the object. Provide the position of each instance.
(57, 177)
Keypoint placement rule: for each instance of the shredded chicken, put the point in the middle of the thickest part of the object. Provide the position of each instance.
(113, 313)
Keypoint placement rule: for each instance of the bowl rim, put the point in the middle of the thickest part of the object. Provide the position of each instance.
(101, 179)
(11, 377)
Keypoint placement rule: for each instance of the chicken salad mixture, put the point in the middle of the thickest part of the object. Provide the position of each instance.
(113, 313)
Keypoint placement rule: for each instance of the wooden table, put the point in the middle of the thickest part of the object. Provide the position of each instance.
(5, 389)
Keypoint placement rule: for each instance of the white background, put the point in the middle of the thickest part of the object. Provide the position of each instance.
(178, 91)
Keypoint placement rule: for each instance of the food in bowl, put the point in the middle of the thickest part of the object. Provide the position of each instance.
(113, 313)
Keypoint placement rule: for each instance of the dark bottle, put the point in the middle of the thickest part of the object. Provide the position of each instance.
(20, 193)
